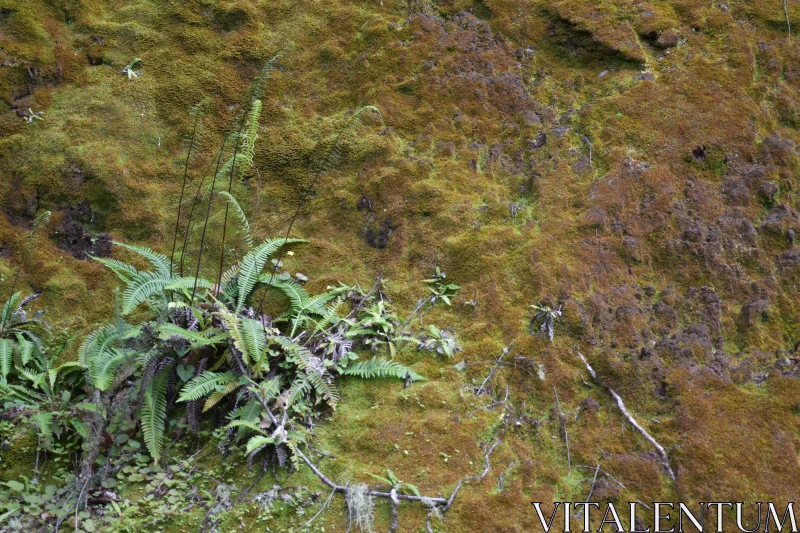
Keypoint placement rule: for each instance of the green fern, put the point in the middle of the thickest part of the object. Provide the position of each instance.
(103, 367)
(6, 356)
(159, 261)
(205, 384)
(123, 270)
(380, 368)
(252, 265)
(143, 286)
(246, 235)
(154, 414)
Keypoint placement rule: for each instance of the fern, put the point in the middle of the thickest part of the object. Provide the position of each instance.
(154, 414)
(103, 367)
(380, 368)
(246, 235)
(123, 270)
(6, 356)
(195, 339)
(252, 265)
(143, 286)
(159, 261)
(296, 294)
(205, 384)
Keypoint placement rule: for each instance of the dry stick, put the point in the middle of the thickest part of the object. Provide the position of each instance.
(321, 509)
(594, 480)
(563, 421)
(661, 451)
(788, 24)
(395, 503)
(482, 388)
(445, 503)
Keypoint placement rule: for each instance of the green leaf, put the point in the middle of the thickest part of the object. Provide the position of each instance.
(141, 287)
(252, 265)
(159, 261)
(380, 368)
(205, 384)
(6, 356)
(154, 414)
(16, 486)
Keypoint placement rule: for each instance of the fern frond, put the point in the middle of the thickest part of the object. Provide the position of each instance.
(297, 295)
(24, 349)
(154, 414)
(248, 238)
(204, 384)
(218, 395)
(6, 356)
(124, 271)
(380, 368)
(143, 286)
(300, 387)
(159, 261)
(258, 443)
(194, 338)
(249, 412)
(103, 366)
(12, 303)
(187, 283)
(252, 265)
(43, 421)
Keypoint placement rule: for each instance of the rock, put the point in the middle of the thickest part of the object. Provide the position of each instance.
(767, 190)
(668, 39)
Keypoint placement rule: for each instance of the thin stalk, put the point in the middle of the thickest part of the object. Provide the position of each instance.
(227, 205)
(195, 128)
(205, 227)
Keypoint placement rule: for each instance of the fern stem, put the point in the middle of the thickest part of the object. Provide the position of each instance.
(195, 129)
(205, 226)
(326, 164)
(227, 205)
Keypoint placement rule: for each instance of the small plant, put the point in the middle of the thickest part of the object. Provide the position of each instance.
(441, 341)
(392, 482)
(440, 287)
(546, 317)
(32, 116)
(129, 68)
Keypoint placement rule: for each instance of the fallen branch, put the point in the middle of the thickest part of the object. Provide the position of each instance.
(482, 388)
(563, 420)
(661, 451)
(394, 497)
(788, 24)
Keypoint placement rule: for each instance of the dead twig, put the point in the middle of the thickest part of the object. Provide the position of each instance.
(482, 388)
(394, 497)
(563, 420)
(621, 405)
(788, 24)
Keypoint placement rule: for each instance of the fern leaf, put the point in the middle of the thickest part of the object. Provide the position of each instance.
(12, 303)
(188, 283)
(123, 270)
(380, 368)
(194, 338)
(204, 384)
(25, 349)
(6, 356)
(246, 235)
(154, 414)
(248, 336)
(253, 263)
(159, 261)
(143, 286)
(258, 443)
(218, 395)
(296, 294)
(43, 421)
(103, 366)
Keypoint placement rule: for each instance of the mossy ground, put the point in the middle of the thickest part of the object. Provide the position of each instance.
(688, 106)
